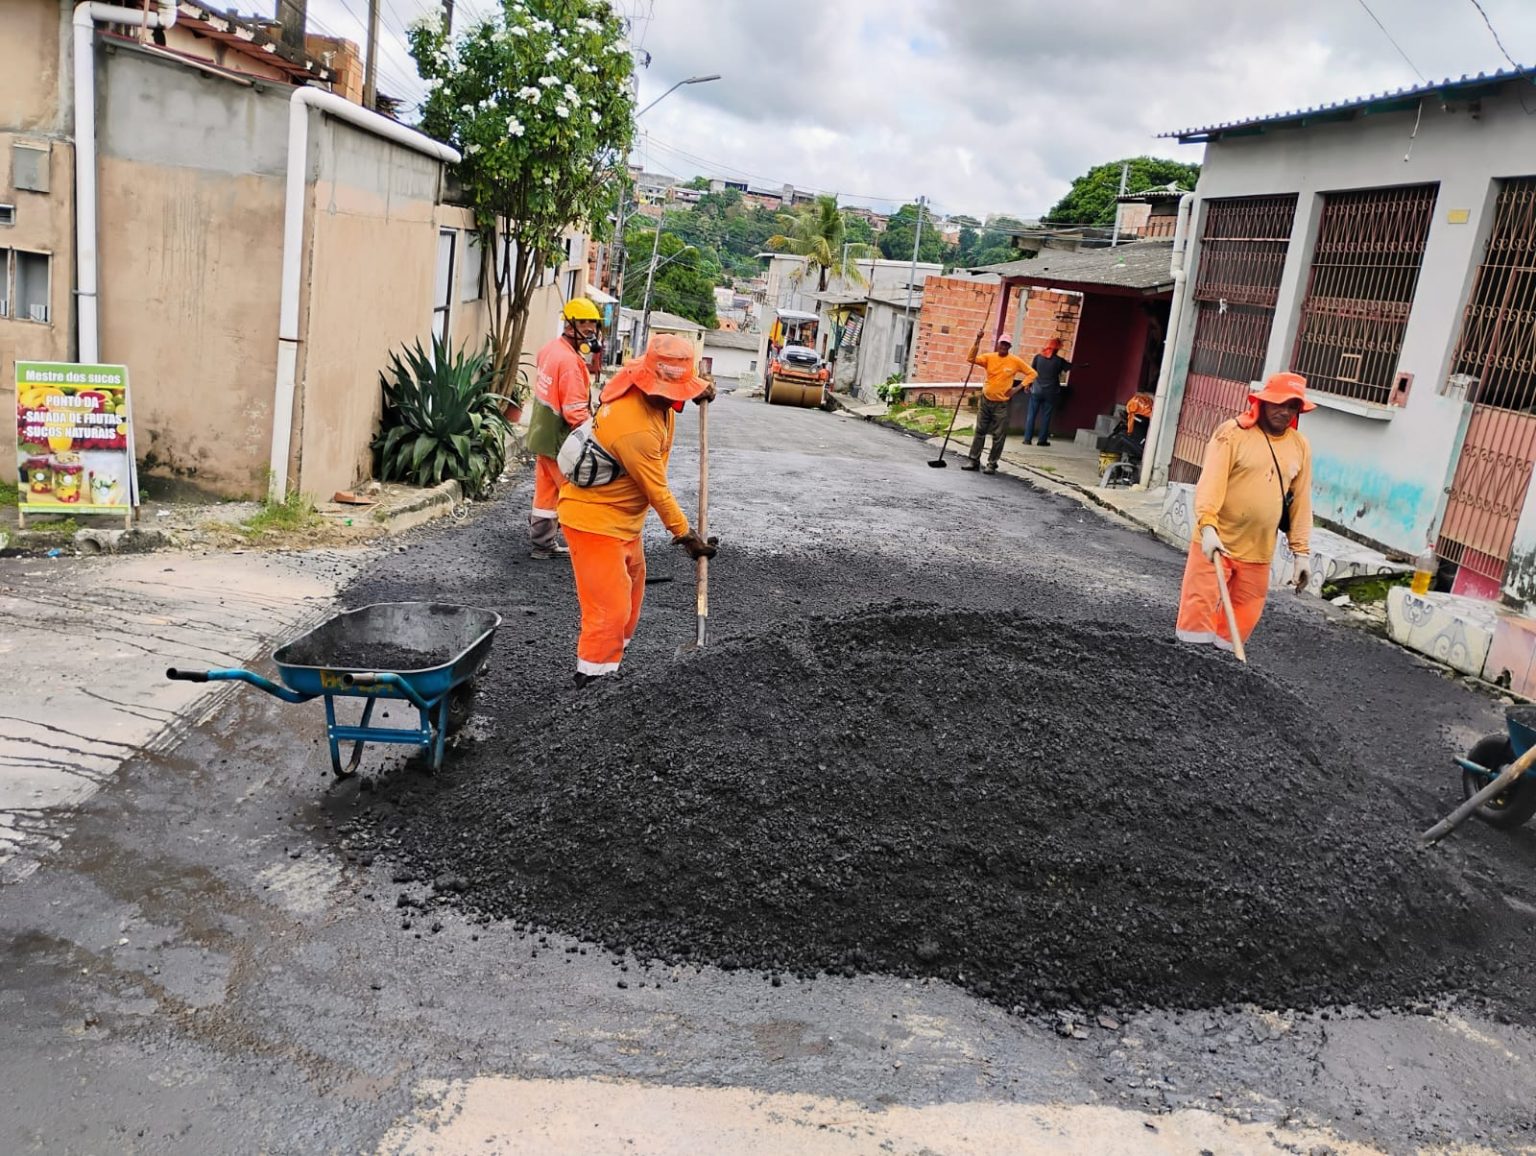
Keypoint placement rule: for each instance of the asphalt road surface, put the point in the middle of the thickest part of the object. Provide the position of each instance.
(231, 953)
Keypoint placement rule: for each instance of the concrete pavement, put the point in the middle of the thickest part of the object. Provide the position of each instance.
(86, 642)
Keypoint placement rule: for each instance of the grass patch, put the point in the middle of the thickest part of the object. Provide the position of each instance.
(10, 494)
(1366, 590)
(931, 419)
(295, 512)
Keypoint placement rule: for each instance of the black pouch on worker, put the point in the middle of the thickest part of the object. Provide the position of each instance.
(1286, 497)
(584, 462)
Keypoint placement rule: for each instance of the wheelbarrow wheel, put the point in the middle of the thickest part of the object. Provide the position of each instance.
(461, 704)
(1511, 807)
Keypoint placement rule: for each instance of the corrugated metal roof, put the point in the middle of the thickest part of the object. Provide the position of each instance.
(1399, 99)
(729, 339)
(1140, 265)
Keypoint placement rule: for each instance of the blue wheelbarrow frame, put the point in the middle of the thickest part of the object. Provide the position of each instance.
(466, 632)
(1498, 777)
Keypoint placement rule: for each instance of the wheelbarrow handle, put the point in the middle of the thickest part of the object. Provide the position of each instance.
(235, 674)
(394, 681)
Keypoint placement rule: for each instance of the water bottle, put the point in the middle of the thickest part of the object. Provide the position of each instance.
(1424, 568)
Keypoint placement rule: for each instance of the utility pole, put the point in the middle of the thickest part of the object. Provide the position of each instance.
(917, 240)
(650, 280)
(371, 68)
(1114, 237)
(447, 17)
(616, 262)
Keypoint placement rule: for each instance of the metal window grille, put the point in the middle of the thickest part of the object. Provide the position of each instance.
(1496, 353)
(1360, 289)
(1243, 244)
(1497, 348)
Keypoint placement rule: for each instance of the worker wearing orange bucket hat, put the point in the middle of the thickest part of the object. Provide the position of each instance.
(633, 429)
(1256, 478)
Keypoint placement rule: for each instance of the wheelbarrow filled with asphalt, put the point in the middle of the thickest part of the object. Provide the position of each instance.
(426, 653)
(1498, 777)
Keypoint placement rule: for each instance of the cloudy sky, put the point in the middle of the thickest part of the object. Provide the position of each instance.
(993, 106)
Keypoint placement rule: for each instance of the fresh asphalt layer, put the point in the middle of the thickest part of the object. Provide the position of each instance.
(231, 953)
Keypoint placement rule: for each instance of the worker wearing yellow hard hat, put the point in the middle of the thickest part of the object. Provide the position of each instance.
(562, 400)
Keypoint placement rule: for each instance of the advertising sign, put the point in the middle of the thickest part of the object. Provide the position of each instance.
(74, 439)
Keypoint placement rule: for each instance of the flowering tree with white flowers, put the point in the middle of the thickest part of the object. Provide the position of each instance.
(537, 99)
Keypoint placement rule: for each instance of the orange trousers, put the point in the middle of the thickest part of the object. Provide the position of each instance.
(1201, 618)
(543, 529)
(610, 585)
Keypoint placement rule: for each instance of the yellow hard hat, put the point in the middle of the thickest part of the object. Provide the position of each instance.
(581, 309)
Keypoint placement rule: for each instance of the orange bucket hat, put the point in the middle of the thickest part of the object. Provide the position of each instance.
(1284, 387)
(666, 370)
(1279, 389)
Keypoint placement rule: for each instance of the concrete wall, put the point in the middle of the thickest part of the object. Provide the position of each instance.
(191, 171)
(34, 82)
(1380, 471)
(731, 363)
(370, 265)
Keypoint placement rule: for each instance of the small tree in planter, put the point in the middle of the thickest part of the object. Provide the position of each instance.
(536, 98)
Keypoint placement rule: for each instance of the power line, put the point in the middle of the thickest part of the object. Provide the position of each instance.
(1394, 43)
(1495, 33)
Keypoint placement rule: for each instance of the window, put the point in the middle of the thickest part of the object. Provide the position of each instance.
(474, 261)
(443, 292)
(25, 285)
(571, 280)
(1360, 289)
(1497, 350)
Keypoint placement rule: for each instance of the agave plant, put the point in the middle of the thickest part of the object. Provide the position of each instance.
(442, 419)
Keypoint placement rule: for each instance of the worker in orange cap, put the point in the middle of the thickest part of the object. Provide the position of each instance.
(562, 400)
(602, 522)
(1256, 479)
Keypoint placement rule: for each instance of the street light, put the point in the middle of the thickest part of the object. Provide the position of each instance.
(618, 240)
(674, 88)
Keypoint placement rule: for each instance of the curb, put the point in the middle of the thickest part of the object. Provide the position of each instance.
(426, 506)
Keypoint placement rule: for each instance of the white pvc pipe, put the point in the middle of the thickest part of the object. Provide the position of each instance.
(1163, 410)
(87, 16)
(286, 382)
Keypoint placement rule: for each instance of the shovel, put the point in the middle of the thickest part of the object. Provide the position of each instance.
(702, 564)
(1226, 605)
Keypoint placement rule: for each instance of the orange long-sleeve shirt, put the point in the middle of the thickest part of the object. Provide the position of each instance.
(640, 436)
(1239, 493)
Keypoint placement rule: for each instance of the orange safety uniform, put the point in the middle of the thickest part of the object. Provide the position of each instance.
(562, 400)
(1240, 495)
(602, 524)
(1001, 369)
(1140, 405)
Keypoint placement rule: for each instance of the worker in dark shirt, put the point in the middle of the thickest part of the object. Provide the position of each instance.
(1048, 365)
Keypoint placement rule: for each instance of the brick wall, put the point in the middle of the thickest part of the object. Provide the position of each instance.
(954, 309)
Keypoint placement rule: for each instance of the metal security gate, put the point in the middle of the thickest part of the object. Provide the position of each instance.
(1242, 254)
(1496, 361)
(1360, 288)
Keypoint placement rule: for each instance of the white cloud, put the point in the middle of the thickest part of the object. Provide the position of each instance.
(994, 107)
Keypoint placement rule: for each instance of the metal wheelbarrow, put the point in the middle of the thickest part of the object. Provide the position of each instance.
(426, 653)
(1498, 777)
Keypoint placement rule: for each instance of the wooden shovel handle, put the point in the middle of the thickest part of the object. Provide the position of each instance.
(1226, 605)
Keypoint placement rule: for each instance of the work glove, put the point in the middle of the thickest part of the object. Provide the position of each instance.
(697, 547)
(706, 394)
(1210, 542)
(1301, 576)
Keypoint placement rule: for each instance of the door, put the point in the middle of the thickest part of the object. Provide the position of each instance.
(1243, 243)
(1496, 362)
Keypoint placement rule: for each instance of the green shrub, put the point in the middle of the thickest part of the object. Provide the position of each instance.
(442, 419)
(890, 390)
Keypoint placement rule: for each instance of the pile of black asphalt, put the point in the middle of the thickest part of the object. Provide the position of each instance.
(1076, 814)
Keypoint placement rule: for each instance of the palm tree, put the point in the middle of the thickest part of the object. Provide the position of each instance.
(816, 233)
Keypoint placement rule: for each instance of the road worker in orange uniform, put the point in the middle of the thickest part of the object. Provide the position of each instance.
(1256, 479)
(562, 400)
(634, 424)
